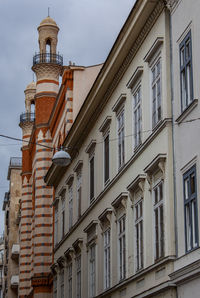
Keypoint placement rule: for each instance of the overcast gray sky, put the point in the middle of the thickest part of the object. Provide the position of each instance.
(88, 29)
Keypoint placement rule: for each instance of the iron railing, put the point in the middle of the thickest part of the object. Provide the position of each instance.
(27, 117)
(48, 58)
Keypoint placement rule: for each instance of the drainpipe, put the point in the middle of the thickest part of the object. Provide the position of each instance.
(173, 136)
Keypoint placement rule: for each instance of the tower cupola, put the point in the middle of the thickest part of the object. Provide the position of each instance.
(48, 32)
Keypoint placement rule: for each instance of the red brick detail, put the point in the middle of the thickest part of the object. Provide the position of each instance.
(47, 81)
(43, 109)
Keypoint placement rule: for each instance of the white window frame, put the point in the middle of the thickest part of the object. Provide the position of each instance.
(69, 279)
(156, 102)
(78, 276)
(105, 136)
(79, 193)
(122, 247)
(62, 289)
(92, 195)
(92, 270)
(107, 263)
(70, 191)
(63, 216)
(56, 225)
(121, 137)
(137, 115)
(139, 233)
(159, 224)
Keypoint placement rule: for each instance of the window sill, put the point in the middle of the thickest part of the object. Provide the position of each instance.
(187, 111)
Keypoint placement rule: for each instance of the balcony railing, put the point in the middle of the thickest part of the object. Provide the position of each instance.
(27, 117)
(15, 162)
(48, 58)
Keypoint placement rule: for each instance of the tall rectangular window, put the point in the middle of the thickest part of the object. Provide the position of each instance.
(56, 225)
(70, 206)
(185, 51)
(137, 116)
(156, 93)
(107, 259)
(79, 191)
(122, 247)
(69, 273)
(106, 158)
(159, 220)
(139, 234)
(92, 271)
(55, 287)
(62, 283)
(190, 206)
(78, 276)
(91, 178)
(120, 132)
(63, 214)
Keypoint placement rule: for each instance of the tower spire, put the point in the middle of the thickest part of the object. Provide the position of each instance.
(48, 11)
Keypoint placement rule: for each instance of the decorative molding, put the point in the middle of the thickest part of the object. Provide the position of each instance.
(105, 125)
(61, 262)
(136, 75)
(171, 4)
(78, 166)
(187, 111)
(136, 45)
(120, 201)
(55, 202)
(105, 217)
(54, 268)
(120, 101)
(90, 147)
(77, 245)
(186, 273)
(91, 226)
(156, 45)
(138, 182)
(157, 163)
(70, 179)
(69, 253)
(62, 190)
(47, 71)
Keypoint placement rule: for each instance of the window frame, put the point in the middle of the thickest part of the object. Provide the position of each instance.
(78, 275)
(154, 83)
(79, 193)
(137, 106)
(56, 225)
(91, 177)
(159, 229)
(183, 69)
(107, 258)
(121, 137)
(92, 270)
(70, 193)
(193, 221)
(70, 279)
(122, 247)
(106, 157)
(139, 241)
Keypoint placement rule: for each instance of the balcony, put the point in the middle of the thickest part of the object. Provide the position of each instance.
(14, 281)
(48, 58)
(27, 117)
(15, 252)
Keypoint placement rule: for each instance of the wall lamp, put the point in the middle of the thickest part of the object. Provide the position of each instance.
(61, 158)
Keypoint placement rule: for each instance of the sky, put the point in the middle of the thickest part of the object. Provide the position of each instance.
(88, 29)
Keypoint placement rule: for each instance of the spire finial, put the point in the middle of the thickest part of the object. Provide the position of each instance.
(48, 12)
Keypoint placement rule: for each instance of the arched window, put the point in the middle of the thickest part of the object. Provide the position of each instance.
(48, 46)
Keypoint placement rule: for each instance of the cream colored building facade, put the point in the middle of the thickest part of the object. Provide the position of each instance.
(186, 92)
(114, 204)
(11, 206)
